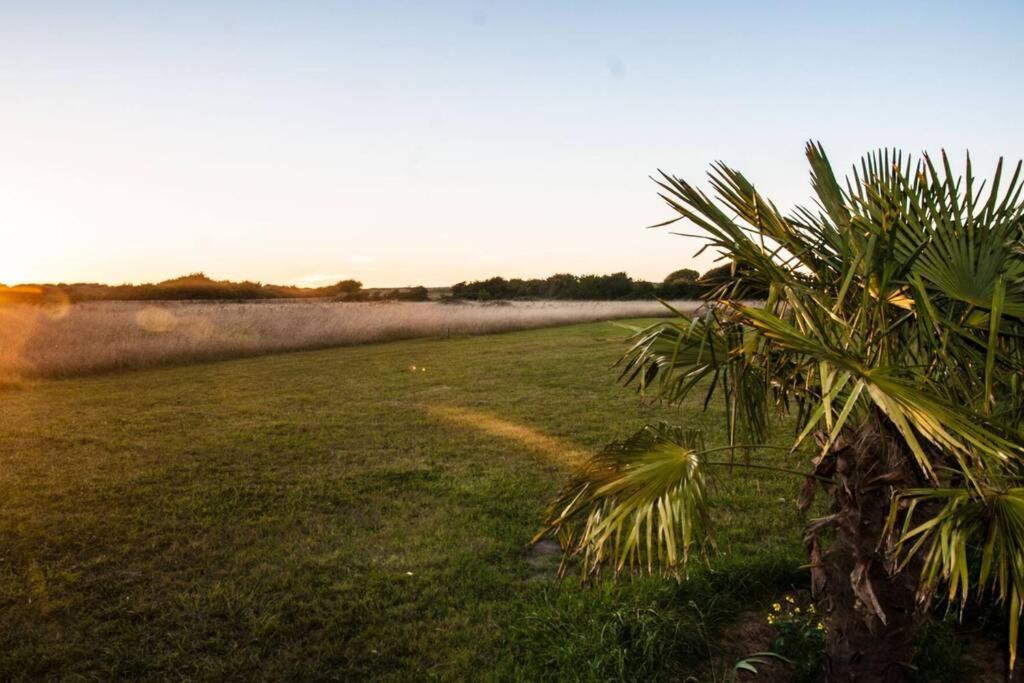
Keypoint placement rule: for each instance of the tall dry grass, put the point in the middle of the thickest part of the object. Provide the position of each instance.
(94, 337)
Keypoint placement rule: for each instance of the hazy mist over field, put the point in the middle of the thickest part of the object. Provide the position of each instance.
(83, 338)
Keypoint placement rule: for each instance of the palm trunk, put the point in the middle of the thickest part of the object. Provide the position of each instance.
(871, 610)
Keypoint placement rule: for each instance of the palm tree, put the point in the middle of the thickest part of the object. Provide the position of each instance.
(893, 329)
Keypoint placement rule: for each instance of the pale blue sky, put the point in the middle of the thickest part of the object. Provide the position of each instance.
(404, 143)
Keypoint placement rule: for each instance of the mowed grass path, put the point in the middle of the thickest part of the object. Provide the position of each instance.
(334, 515)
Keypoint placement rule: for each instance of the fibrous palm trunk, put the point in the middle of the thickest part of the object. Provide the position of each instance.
(870, 607)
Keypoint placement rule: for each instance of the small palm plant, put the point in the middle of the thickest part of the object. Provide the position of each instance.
(893, 328)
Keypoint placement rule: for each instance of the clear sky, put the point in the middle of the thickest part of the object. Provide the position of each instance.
(432, 142)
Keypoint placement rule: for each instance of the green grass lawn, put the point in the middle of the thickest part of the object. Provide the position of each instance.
(333, 515)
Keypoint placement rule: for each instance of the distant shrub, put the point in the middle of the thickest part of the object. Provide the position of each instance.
(682, 275)
(417, 293)
(679, 290)
(734, 278)
(683, 284)
(562, 286)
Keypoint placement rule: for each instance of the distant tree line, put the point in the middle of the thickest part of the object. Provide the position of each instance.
(681, 284)
(560, 286)
(200, 287)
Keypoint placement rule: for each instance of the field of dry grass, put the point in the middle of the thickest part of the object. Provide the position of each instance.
(94, 337)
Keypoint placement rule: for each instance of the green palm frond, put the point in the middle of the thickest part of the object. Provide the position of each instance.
(970, 539)
(640, 502)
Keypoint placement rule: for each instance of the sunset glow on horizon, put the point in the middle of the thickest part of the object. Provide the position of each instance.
(430, 143)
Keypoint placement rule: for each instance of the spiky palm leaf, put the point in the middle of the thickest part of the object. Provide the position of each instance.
(965, 525)
(897, 299)
(641, 502)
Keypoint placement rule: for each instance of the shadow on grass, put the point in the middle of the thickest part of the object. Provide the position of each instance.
(645, 628)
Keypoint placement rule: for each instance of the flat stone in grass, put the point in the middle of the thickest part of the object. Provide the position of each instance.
(543, 558)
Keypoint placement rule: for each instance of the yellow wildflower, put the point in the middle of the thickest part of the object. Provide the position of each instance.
(777, 607)
(789, 599)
